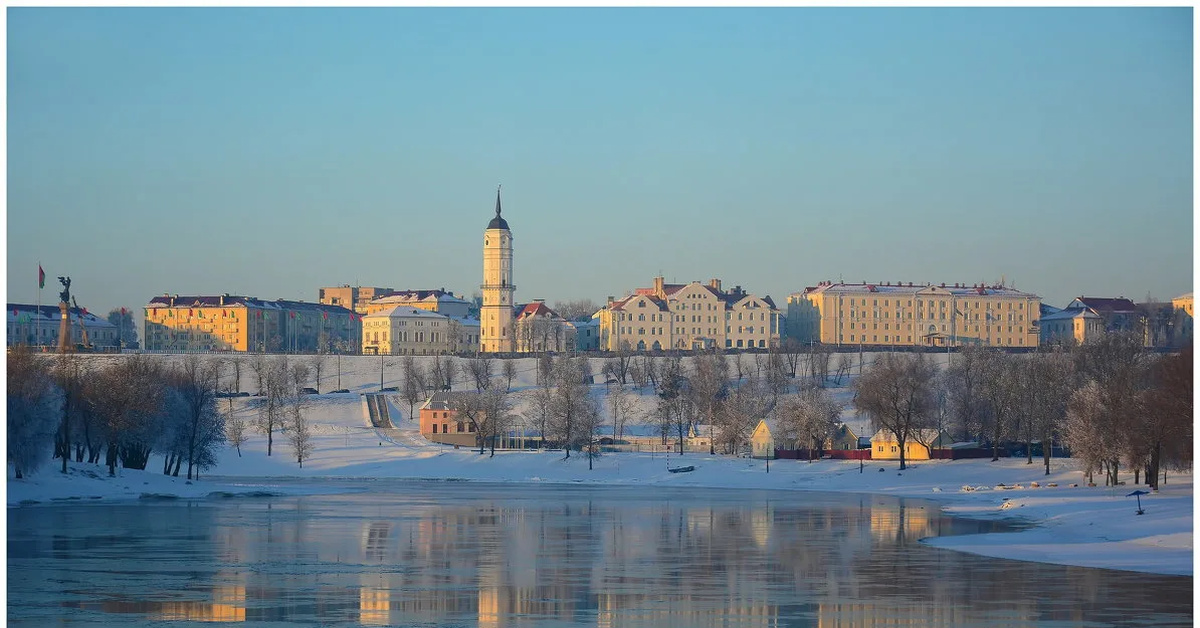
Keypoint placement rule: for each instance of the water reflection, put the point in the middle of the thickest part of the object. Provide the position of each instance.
(509, 556)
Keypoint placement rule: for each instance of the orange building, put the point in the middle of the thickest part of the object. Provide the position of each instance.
(440, 423)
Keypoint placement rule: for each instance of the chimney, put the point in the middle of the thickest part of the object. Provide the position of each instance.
(658, 286)
(610, 300)
(715, 284)
(172, 301)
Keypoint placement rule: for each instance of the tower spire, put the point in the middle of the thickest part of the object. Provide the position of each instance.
(497, 201)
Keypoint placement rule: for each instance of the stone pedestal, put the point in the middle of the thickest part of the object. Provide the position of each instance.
(64, 329)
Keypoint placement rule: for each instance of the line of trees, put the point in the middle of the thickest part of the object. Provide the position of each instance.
(1111, 402)
(62, 407)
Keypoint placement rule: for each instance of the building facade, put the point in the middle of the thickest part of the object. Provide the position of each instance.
(1073, 325)
(496, 314)
(440, 423)
(38, 327)
(249, 324)
(353, 298)
(401, 330)
(688, 316)
(917, 316)
(1183, 306)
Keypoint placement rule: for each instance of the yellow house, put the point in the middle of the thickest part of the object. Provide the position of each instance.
(885, 447)
(236, 323)
(762, 441)
(436, 300)
(352, 297)
(843, 438)
(898, 314)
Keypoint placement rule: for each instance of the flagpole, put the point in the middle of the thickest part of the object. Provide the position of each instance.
(37, 333)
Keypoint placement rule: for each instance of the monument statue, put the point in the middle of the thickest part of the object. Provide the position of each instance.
(65, 295)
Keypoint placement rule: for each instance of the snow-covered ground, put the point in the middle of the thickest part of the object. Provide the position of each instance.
(1072, 524)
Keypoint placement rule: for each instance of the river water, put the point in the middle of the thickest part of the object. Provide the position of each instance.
(403, 553)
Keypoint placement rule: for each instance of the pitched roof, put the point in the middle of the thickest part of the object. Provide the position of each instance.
(190, 301)
(1107, 304)
(537, 308)
(403, 296)
(441, 400)
(1069, 313)
(397, 311)
(52, 313)
(899, 288)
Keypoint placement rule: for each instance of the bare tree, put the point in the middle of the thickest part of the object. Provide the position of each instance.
(235, 428)
(620, 408)
(897, 393)
(316, 363)
(129, 399)
(1119, 367)
(620, 362)
(195, 380)
(1169, 419)
(793, 353)
(272, 408)
(843, 368)
(569, 404)
(709, 385)
(34, 411)
(1049, 387)
(480, 371)
(235, 363)
(590, 423)
(538, 410)
(580, 310)
(739, 366)
(674, 401)
(497, 415)
(818, 361)
(299, 433)
(1000, 393)
(965, 383)
(260, 366)
(509, 370)
(414, 384)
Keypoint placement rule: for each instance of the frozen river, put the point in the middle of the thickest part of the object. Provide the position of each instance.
(403, 553)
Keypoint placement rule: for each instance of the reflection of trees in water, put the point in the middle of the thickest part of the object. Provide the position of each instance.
(616, 559)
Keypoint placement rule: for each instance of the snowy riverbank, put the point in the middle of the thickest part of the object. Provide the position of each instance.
(1072, 525)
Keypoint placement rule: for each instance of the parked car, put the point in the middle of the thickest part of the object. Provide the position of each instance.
(308, 391)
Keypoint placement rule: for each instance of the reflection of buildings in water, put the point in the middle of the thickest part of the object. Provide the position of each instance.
(228, 605)
(900, 523)
(890, 612)
(375, 541)
(374, 606)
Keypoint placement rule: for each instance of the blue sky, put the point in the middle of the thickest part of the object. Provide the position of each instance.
(273, 151)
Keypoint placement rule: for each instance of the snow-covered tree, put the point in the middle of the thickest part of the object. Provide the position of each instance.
(34, 411)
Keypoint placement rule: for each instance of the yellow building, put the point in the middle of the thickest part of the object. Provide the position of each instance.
(1184, 316)
(237, 323)
(918, 316)
(352, 297)
(689, 316)
(495, 317)
(411, 331)
(884, 445)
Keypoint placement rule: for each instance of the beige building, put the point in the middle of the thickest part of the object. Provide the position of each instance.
(496, 315)
(437, 300)
(689, 316)
(920, 316)
(401, 330)
(350, 297)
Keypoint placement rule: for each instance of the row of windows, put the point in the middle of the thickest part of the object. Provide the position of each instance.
(887, 338)
(966, 302)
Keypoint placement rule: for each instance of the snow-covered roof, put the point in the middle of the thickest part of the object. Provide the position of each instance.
(900, 288)
(20, 313)
(404, 311)
(1070, 313)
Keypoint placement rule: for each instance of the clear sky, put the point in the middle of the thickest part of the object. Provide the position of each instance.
(270, 152)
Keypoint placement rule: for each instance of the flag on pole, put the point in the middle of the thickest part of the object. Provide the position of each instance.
(41, 277)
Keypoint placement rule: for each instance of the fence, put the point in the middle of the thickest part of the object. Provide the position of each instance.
(835, 454)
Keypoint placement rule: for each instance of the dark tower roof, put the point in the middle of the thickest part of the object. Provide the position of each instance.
(498, 222)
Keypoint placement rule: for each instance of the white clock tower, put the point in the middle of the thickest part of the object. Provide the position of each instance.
(495, 334)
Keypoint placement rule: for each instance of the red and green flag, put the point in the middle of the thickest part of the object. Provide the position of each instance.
(41, 277)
